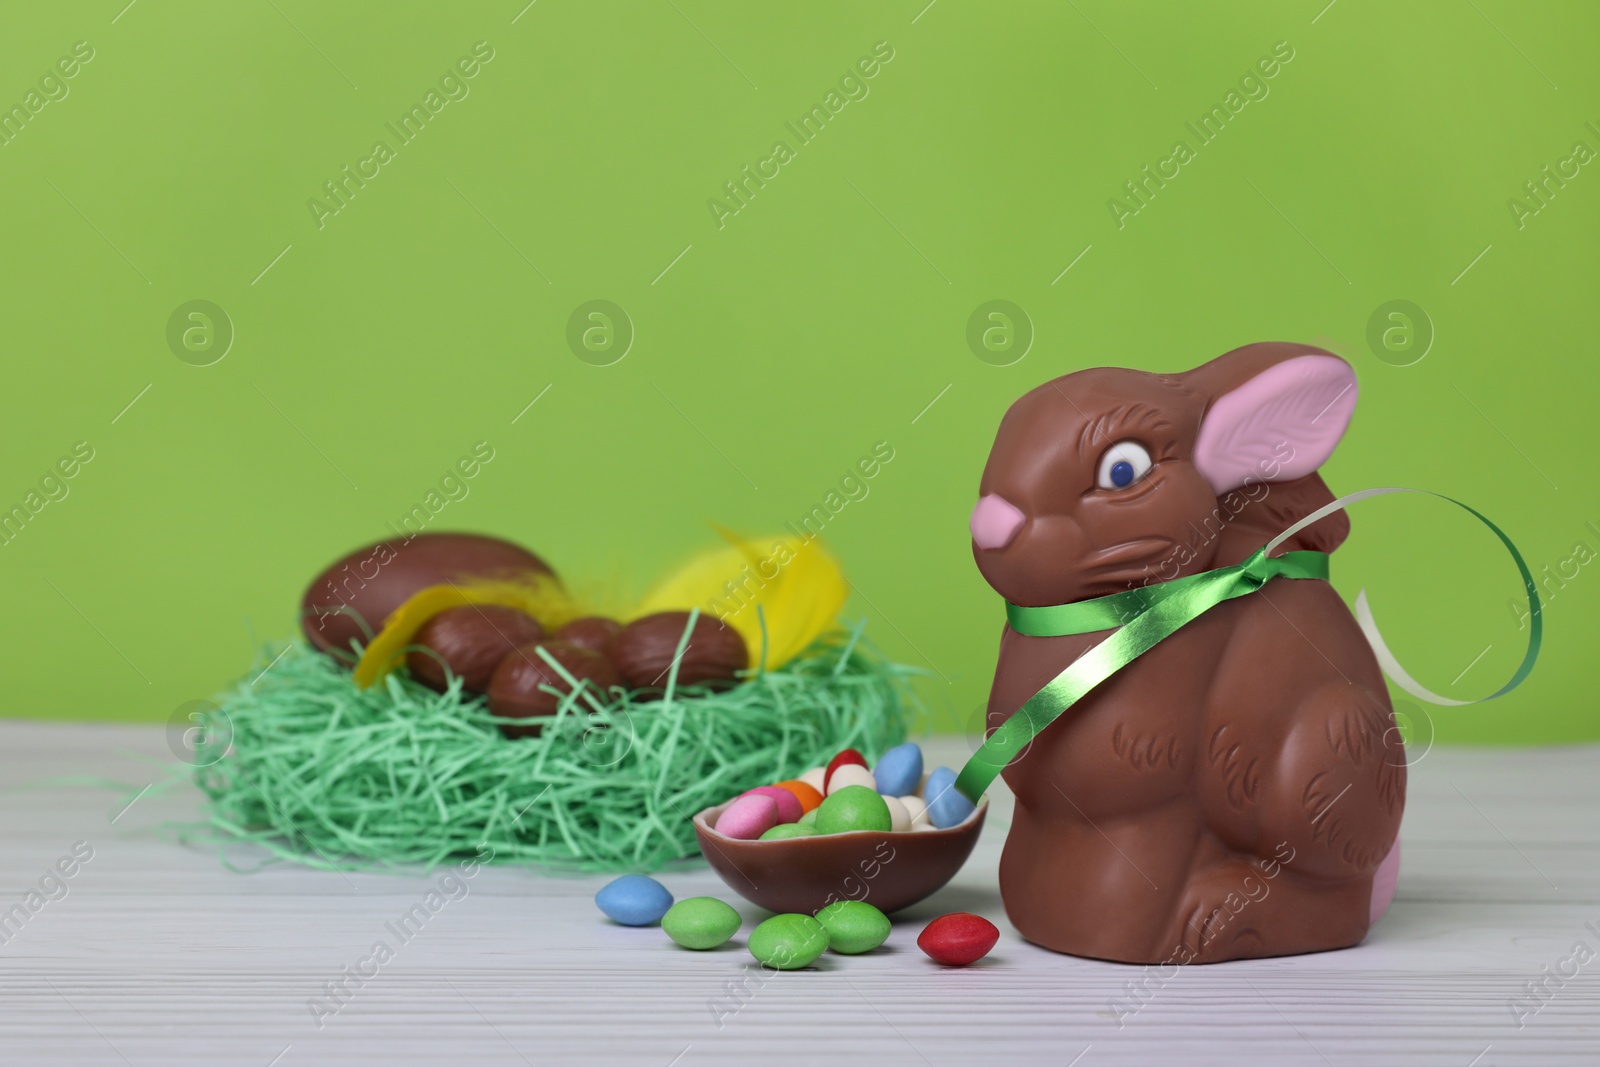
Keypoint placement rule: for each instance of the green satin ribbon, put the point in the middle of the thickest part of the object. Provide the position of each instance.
(1145, 617)
(1109, 612)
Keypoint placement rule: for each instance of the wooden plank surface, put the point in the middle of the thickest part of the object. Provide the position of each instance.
(157, 953)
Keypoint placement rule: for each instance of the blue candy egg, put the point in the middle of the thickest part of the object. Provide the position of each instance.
(946, 805)
(899, 772)
(634, 900)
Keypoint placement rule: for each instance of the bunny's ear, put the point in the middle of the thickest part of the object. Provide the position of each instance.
(1279, 425)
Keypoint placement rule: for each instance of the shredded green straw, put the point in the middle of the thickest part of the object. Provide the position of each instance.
(301, 762)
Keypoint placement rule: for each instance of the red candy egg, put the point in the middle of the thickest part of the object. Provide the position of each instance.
(849, 755)
(958, 939)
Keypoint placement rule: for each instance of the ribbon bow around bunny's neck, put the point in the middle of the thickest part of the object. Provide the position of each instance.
(1142, 618)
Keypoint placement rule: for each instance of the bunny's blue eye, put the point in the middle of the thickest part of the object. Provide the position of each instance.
(1123, 464)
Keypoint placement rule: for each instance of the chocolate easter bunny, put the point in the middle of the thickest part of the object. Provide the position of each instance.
(1236, 791)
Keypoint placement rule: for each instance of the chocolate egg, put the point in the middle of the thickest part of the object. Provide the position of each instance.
(369, 583)
(643, 651)
(514, 689)
(591, 632)
(471, 640)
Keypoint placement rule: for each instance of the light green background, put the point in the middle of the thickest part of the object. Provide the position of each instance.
(776, 350)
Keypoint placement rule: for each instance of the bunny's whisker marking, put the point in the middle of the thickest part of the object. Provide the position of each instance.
(1126, 421)
(1331, 803)
(1057, 387)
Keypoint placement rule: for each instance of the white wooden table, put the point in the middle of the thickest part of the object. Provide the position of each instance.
(157, 954)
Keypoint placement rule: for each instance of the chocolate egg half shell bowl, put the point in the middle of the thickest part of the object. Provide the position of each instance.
(889, 870)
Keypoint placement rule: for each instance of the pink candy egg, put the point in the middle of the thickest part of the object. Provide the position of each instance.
(789, 809)
(748, 817)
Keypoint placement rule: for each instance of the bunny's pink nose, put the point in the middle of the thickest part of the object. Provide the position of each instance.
(995, 521)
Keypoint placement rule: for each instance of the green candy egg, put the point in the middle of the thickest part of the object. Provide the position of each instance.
(784, 831)
(701, 922)
(855, 807)
(853, 926)
(788, 942)
(808, 819)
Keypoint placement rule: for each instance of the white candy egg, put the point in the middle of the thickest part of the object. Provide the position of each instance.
(899, 817)
(851, 774)
(914, 806)
(814, 777)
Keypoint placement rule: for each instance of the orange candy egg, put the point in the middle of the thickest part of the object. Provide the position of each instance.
(808, 797)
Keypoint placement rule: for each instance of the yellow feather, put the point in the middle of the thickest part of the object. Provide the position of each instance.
(797, 586)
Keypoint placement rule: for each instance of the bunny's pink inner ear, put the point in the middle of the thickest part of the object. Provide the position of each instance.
(1280, 425)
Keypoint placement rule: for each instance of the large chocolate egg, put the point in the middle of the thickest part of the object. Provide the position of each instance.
(515, 689)
(643, 651)
(371, 582)
(470, 641)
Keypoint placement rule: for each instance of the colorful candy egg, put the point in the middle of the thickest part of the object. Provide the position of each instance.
(808, 795)
(789, 809)
(634, 900)
(784, 831)
(855, 807)
(701, 923)
(748, 817)
(847, 757)
(854, 926)
(958, 939)
(946, 805)
(788, 942)
(899, 771)
(849, 774)
(899, 817)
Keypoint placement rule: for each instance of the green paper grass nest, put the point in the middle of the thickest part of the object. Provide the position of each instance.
(299, 760)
